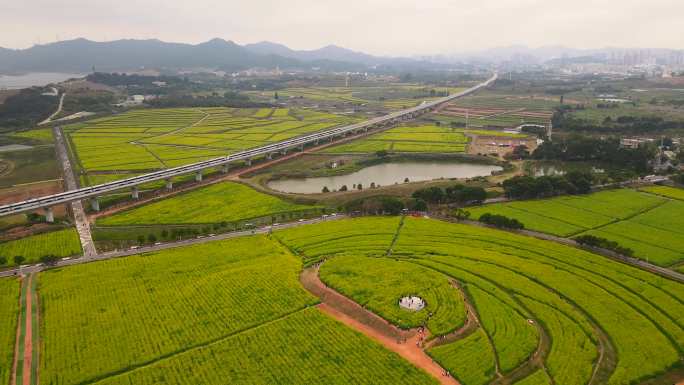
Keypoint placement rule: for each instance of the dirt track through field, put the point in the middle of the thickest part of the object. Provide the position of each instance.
(408, 344)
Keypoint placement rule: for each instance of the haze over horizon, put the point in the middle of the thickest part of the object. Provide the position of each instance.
(380, 27)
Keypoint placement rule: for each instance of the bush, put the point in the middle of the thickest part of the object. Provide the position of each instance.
(3, 261)
(501, 221)
(49, 259)
(392, 206)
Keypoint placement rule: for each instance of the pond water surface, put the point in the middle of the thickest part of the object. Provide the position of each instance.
(385, 174)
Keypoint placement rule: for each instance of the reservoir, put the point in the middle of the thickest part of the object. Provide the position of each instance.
(385, 174)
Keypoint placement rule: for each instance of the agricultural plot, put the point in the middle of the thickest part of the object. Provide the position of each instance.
(470, 359)
(227, 201)
(666, 191)
(61, 243)
(9, 303)
(355, 277)
(408, 139)
(538, 378)
(569, 215)
(656, 235)
(497, 111)
(359, 236)
(158, 304)
(648, 224)
(223, 312)
(303, 348)
(151, 139)
(522, 286)
(40, 135)
(392, 97)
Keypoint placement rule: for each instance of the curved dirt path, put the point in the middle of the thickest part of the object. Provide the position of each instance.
(408, 344)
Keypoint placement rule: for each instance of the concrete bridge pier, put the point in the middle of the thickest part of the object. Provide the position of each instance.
(283, 152)
(135, 193)
(316, 142)
(49, 215)
(169, 184)
(95, 204)
(269, 156)
(248, 162)
(301, 147)
(225, 168)
(198, 176)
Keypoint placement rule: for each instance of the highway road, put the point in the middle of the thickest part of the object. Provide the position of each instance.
(247, 155)
(27, 269)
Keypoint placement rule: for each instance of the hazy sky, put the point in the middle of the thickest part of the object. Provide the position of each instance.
(389, 27)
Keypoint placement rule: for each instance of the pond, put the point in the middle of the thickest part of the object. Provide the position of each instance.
(33, 79)
(385, 174)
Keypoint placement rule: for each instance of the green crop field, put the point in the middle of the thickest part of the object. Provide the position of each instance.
(9, 303)
(666, 191)
(222, 312)
(226, 201)
(568, 215)
(359, 236)
(61, 243)
(648, 224)
(356, 277)
(408, 139)
(470, 359)
(304, 348)
(538, 378)
(520, 287)
(40, 135)
(151, 139)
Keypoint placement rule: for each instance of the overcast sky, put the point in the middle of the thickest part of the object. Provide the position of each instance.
(387, 27)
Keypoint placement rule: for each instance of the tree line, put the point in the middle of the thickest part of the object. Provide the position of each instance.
(529, 187)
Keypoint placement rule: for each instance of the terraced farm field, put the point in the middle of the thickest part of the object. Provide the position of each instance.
(151, 139)
(226, 201)
(231, 310)
(432, 139)
(651, 225)
(603, 319)
(61, 243)
(9, 303)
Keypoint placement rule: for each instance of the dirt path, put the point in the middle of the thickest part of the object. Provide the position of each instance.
(408, 344)
(54, 114)
(22, 369)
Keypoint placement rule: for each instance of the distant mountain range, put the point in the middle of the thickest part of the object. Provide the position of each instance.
(81, 55)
